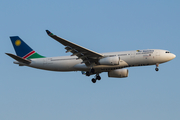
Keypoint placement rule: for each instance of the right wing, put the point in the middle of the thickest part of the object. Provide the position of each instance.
(88, 56)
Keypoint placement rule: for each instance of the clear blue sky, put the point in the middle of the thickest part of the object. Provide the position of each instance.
(102, 26)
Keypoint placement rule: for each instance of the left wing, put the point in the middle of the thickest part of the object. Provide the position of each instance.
(88, 56)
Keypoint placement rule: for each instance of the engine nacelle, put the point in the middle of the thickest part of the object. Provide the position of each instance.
(109, 61)
(119, 73)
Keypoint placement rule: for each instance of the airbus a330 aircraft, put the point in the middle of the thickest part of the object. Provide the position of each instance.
(87, 61)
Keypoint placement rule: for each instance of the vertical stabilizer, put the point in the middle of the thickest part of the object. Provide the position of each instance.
(22, 49)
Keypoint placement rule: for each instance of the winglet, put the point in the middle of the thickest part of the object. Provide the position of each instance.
(49, 33)
(19, 59)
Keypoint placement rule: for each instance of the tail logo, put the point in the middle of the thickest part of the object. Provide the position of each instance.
(23, 50)
(17, 42)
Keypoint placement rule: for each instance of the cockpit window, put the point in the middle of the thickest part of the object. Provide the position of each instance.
(167, 52)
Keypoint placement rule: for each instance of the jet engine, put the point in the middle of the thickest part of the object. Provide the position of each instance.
(119, 73)
(109, 61)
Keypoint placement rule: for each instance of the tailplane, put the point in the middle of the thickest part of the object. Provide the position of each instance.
(23, 50)
(19, 59)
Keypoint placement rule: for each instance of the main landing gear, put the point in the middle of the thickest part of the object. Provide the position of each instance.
(97, 77)
(157, 65)
(92, 71)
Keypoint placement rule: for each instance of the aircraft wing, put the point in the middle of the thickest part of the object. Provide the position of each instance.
(88, 56)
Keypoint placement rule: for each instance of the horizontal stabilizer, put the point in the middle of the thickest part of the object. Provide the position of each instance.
(19, 59)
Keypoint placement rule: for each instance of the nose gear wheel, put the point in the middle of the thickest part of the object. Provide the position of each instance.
(157, 65)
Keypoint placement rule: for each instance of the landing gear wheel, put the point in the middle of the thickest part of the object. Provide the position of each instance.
(157, 69)
(94, 80)
(87, 73)
(92, 71)
(157, 65)
(98, 77)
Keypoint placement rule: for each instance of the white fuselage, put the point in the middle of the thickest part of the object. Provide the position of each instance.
(127, 59)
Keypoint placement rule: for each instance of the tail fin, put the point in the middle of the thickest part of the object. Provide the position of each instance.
(22, 49)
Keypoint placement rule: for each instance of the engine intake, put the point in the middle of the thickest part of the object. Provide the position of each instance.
(119, 73)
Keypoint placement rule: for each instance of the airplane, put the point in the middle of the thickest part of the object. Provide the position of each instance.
(87, 61)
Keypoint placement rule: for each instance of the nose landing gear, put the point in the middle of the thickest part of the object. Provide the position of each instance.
(157, 69)
(157, 65)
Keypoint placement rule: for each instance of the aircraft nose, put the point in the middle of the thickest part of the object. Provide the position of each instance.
(170, 56)
(173, 56)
